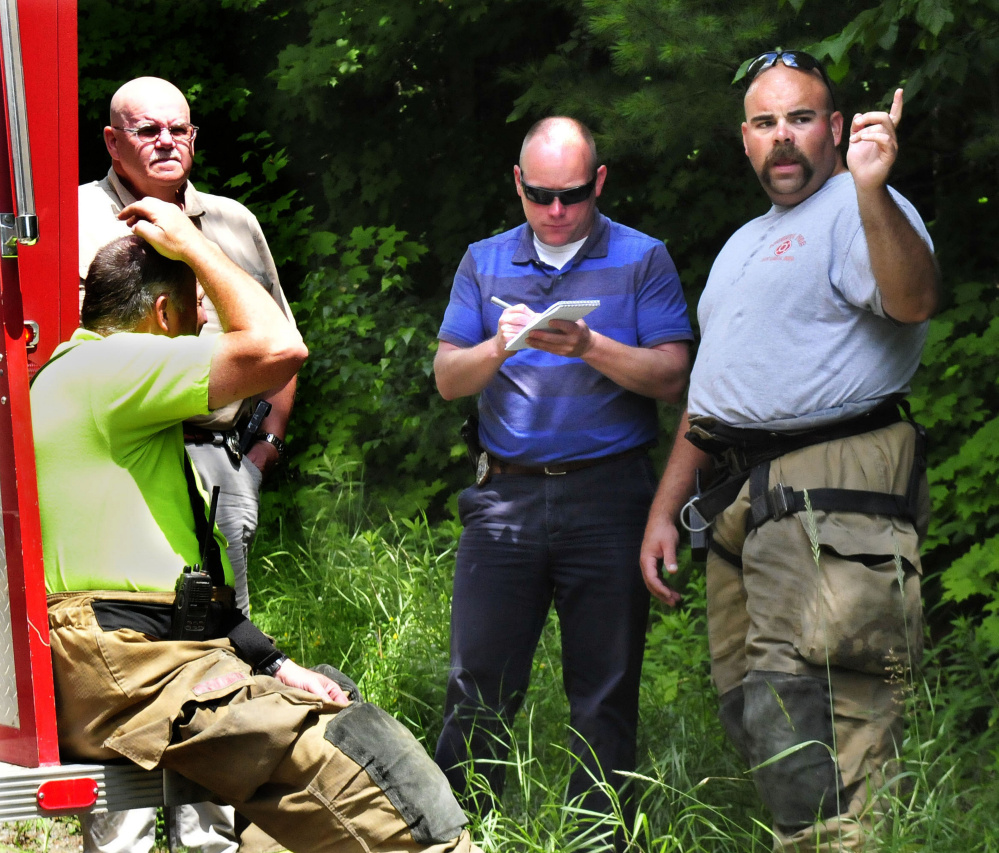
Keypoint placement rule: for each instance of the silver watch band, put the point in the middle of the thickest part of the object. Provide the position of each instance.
(270, 438)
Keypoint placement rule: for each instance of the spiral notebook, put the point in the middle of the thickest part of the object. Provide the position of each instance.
(567, 309)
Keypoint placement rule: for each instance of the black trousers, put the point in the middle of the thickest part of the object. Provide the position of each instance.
(528, 541)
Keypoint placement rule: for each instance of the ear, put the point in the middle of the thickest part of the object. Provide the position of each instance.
(111, 142)
(161, 315)
(516, 180)
(601, 177)
(745, 132)
(836, 123)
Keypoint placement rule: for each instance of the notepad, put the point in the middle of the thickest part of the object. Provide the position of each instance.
(567, 309)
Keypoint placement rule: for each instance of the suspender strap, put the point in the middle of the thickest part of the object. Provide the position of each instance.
(54, 358)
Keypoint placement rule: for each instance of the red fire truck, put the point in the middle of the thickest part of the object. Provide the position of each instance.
(39, 307)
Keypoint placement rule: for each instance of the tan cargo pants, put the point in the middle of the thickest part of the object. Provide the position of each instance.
(267, 749)
(841, 633)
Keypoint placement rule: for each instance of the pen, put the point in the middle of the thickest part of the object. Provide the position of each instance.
(497, 301)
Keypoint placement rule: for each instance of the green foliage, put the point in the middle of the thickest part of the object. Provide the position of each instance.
(367, 389)
(285, 220)
(372, 600)
(955, 395)
(396, 110)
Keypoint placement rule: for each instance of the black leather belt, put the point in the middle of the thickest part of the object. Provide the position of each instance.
(229, 439)
(498, 466)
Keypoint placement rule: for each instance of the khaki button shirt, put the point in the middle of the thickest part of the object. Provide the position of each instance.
(223, 220)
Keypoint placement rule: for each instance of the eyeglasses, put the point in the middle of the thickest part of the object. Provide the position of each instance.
(573, 195)
(151, 132)
(792, 59)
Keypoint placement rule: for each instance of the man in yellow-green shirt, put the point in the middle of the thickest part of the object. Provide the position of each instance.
(282, 744)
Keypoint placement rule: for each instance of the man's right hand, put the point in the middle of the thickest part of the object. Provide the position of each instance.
(510, 324)
(659, 545)
(164, 226)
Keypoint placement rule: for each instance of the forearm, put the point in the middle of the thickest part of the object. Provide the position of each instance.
(263, 454)
(282, 401)
(679, 479)
(904, 267)
(464, 371)
(242, 304)
(661, 540)
(659, 372)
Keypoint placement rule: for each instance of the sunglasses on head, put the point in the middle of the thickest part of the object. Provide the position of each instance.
(573, 195)
(792, 59)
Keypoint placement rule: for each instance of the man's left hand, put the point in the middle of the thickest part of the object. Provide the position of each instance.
(874, 145)
(563, 337)
(293, 675)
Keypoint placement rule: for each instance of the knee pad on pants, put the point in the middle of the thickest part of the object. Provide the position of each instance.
(399, 765)
(782, 711)
(731, 707)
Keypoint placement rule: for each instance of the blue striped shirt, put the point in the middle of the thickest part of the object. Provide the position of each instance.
(542, 408)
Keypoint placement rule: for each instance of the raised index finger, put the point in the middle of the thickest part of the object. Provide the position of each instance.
(895, 113)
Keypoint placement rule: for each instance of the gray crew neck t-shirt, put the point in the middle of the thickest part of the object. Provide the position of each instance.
(793, 332)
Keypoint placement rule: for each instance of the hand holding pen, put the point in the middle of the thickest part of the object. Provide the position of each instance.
(511, 321)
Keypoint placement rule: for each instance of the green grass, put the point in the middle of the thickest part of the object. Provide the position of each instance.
(374, 601)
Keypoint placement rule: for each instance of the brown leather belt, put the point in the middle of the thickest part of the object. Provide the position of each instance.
(498, 466)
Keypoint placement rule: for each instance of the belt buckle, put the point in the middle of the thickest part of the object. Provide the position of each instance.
(779, 501)
(550, 473)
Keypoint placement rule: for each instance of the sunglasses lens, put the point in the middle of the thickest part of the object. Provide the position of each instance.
(761, 63)
(576, 195)
(539, 195)
(148, 132)
(801, 61)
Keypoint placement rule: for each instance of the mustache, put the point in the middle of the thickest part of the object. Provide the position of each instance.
(785, 152)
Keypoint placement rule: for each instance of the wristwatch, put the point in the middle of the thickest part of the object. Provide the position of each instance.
(270, 438)
(270, 668)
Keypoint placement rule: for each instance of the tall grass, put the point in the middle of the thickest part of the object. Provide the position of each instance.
(375, 602)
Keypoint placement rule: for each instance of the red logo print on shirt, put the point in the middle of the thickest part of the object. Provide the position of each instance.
(782, 246)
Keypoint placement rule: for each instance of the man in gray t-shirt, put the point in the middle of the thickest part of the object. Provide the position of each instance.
(813, 320)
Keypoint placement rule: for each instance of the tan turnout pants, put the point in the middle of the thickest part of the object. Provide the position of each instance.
(196, 708)
(837, 636)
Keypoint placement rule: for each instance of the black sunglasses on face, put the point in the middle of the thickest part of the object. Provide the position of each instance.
(792, 59)
(573, 195)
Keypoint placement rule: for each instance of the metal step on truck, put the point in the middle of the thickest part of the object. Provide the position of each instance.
(39, 307)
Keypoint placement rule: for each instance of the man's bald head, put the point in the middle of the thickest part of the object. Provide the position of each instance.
(143, 91)
(561, 131)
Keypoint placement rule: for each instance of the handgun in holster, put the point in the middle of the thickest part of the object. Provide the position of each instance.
(262, 410)
(476, 454)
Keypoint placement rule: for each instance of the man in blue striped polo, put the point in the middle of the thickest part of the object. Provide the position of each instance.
(565, 481)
